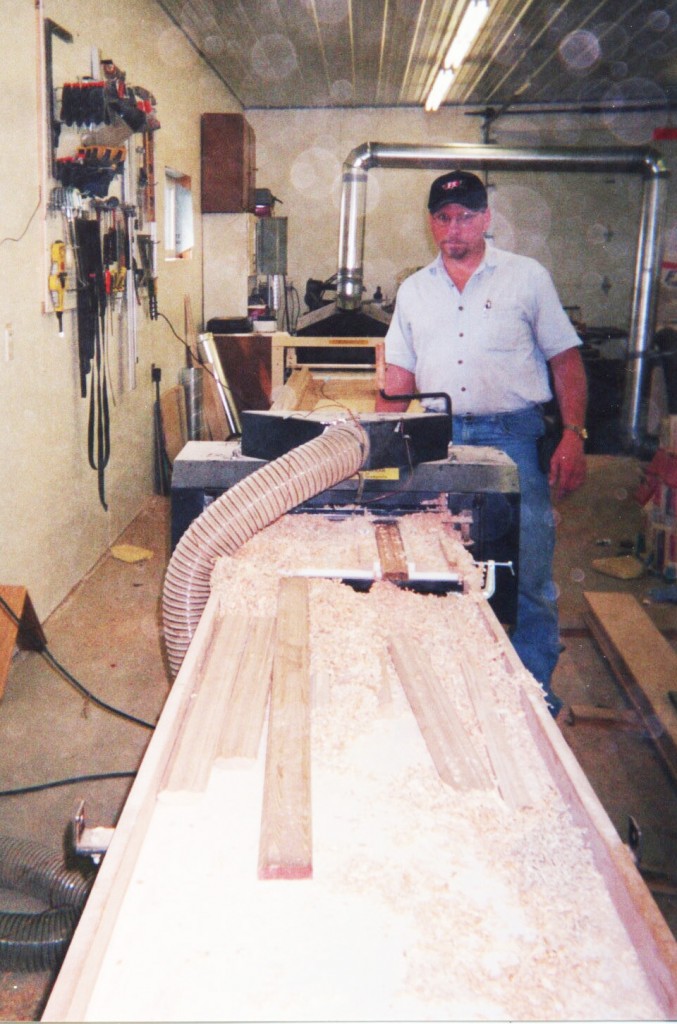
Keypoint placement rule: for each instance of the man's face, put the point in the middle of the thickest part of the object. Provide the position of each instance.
(458, 231)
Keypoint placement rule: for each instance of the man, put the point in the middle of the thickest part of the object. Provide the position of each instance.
(483, 325)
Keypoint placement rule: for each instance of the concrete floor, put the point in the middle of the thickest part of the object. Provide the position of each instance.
(107, 633)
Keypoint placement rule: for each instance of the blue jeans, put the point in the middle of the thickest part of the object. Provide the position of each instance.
(536, 634)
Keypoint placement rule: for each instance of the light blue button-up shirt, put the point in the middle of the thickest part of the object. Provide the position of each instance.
(488, 346)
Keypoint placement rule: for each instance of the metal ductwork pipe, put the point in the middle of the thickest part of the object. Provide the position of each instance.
(616, 160)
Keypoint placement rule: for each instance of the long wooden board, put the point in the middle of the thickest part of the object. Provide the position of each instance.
(454, 756)
(642, 919)
(290, 395)
(642, 661)
(513, 787)
(391, 552)
(197, 744)
(174, 421)
(90, 942)
(242, 726)
(285, 849)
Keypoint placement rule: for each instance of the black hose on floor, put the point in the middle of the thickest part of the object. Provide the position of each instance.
(38, 941)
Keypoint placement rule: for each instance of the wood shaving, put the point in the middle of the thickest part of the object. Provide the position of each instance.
(500, 914)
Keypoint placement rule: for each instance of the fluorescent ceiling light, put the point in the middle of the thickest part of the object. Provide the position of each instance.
(439, 90)
(469, 27)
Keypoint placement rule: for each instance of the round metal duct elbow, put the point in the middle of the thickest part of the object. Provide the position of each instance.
(244, 510)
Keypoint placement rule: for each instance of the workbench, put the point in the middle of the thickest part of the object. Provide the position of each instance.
(409, 882)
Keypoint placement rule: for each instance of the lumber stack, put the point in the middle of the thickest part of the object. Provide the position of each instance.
(643, 662)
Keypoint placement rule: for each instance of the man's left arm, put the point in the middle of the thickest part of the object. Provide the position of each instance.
(567, 466)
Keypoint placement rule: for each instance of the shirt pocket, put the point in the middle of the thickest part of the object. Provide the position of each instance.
(504, 326)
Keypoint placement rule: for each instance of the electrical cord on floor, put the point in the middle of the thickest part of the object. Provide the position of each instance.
(51, 660)
(38, 787)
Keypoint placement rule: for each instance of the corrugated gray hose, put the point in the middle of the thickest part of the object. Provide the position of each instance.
(37, 941)
(244, 510)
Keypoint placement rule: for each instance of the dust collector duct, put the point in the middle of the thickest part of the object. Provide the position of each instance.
(244, 510)
(38, 941)
(613, 160)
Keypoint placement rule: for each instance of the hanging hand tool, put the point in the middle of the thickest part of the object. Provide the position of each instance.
(57, 280)
(146, 254)
(92, 344)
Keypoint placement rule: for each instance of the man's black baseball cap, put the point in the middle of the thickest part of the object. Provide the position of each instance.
(459, 187)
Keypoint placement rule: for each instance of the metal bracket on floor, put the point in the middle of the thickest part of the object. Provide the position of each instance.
(89, 841)
(613, 718)
(656, 871)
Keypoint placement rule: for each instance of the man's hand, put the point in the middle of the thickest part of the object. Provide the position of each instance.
(567, 465)
(398, 382)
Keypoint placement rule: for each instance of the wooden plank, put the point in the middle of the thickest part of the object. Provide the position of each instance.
(26, 633)
(190, 332)
(174, 421)
(216, 422)
(285, 849)
(513, 787)
(88, 947)
(380, 365)
(222, 418)
(391, 552)
(290, 395)
(614, 718)
(642, 661)
(197, 744)
(357, 394)
(242, 725)
(453, 754)
(645, 925)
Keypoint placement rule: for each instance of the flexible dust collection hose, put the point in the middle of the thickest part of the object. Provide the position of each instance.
(38, 941)
(244, 510)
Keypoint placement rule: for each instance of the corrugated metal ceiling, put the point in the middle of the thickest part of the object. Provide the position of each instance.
(363, 53)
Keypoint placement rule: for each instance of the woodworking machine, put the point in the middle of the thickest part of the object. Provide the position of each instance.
(412, 462)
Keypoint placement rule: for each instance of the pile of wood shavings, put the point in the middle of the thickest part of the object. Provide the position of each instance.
(503, 913)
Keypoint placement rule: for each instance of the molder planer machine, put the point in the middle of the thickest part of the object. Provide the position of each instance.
(410, 466)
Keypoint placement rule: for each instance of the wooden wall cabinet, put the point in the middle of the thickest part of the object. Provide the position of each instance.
(228, 148)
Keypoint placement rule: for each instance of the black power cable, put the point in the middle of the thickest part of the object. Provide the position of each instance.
(38, 787)
(203, 365)
(51, 660)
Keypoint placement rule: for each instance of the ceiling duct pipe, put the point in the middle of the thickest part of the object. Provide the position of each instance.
(647, 163)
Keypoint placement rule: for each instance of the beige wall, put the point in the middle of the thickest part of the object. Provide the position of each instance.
(52, 526)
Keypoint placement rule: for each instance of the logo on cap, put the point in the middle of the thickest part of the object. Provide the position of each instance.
(451, 184)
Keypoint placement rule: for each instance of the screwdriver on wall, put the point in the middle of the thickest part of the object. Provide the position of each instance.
(57, 280)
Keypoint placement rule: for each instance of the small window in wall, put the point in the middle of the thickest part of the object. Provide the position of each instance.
(178, 215)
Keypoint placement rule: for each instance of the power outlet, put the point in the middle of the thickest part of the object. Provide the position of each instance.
(8, 344)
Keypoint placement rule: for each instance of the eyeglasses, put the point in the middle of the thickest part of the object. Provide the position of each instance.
(443, 219)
